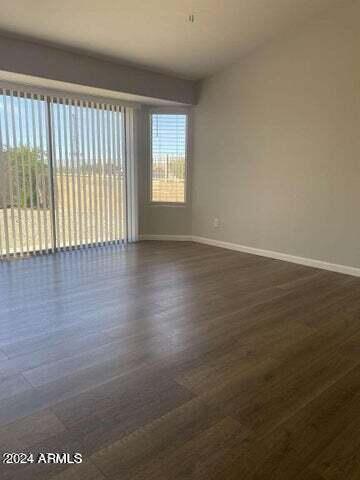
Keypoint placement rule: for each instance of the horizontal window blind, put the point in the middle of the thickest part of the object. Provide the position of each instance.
(63, 173)
(168, 157)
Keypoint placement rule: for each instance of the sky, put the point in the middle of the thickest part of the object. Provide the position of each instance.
(78, 132)
(169, 134)
(81, 132)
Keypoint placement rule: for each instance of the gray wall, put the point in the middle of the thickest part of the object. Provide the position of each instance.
(277, 145)
(30, 58)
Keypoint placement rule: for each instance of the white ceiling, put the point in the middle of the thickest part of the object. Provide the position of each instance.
(156, 33)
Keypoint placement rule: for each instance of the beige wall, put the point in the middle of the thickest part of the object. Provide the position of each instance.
(277, 145)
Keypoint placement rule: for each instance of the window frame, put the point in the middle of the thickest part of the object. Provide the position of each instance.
(169, 111)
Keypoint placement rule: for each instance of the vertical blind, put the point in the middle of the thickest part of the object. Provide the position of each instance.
(63, 173)
(168, 157)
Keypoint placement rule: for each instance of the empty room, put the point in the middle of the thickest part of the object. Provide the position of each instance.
(180, 240)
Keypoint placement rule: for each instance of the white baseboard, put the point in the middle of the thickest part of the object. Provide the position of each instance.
(309, 262)
(172, 238)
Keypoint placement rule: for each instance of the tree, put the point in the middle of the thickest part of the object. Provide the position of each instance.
(24, 175)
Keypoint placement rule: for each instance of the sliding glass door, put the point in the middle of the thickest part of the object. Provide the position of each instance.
(63, 175)
(88, 172)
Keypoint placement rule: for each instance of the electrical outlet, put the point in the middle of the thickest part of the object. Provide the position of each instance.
(216, 222)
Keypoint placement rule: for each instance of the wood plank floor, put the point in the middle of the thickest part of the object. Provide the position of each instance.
(179, 361)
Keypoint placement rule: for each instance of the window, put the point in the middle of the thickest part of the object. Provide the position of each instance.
(62, 173)
(168, 157)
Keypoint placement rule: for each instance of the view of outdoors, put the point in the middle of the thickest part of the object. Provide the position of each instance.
(168, 157)
(28, 222)
(86, 183)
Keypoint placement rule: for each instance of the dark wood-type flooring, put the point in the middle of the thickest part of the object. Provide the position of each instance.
(166, 361)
